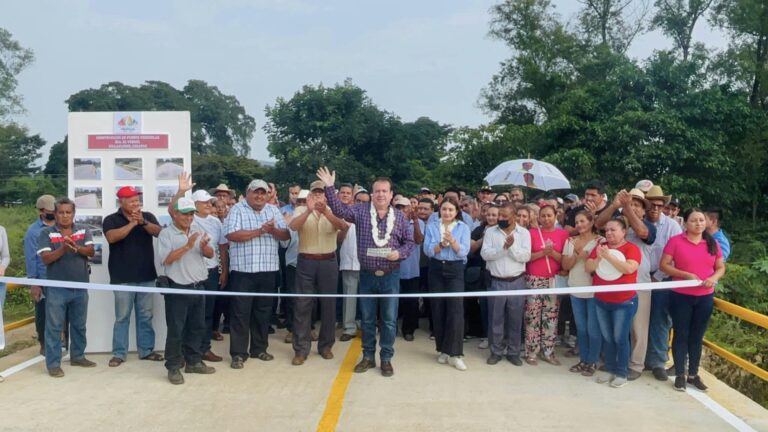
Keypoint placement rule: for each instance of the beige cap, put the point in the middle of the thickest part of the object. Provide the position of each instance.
(46, 202)
(317, 184)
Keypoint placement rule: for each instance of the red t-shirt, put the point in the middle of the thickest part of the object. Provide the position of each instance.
(558, 236)
(692, 258)
(631, 252)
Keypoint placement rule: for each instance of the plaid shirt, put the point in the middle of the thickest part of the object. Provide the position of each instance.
(360, 214)
(258, 254)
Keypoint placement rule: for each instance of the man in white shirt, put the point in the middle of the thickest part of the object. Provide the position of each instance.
(506, 249)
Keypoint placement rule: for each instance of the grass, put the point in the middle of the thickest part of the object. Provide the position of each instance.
(16, 220)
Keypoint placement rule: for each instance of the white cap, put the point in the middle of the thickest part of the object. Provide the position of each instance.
(644, 185)
(303, 194)
(258, 184)
(201, 195)
(185, 205)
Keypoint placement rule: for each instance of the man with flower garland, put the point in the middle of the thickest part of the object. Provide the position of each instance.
(383, 240)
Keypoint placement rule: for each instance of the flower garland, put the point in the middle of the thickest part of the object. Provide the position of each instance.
(375, 227)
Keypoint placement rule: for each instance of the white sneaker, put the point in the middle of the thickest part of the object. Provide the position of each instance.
(619, 382)
(458, 363)
(442, 358)
(483, 343)
(604, 377)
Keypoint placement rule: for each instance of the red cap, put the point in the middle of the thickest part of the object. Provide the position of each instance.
(127, 192)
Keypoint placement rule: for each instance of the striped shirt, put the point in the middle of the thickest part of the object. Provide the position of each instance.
(257, 254)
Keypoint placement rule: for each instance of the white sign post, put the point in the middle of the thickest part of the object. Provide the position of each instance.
(109, 150)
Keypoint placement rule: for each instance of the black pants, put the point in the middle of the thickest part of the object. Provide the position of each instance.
(473, 314)
(221, 308)
(40, 321)
(447, 313)
(424, 287)
(250, 316)
(690, 317)
(286, 303)
(409, 306)
(315, 277)
(185, 320)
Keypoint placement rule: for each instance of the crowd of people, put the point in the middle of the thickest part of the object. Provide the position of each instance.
(350, 240)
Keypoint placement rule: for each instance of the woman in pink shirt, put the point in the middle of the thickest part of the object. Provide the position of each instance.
(692, 255)
(541, 311)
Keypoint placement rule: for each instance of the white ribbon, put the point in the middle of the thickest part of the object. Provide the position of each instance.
(521, 292)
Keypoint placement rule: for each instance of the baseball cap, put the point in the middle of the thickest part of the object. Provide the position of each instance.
(571, 197)
(425, 190)
(258, 184)
(644, 185)
(486, 188)
(185, 205)
(201, 195)
(127, 192)
(317, 184)
(303, 194)
(403, 201)
(45, 202)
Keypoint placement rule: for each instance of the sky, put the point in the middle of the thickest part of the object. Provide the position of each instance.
(414, 58)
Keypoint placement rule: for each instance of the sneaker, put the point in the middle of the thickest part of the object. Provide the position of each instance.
(175, 377)
(696, 382)
(619, 382)
(82, 362)
(431, 336)
(571, 341)
(457, 362)
(680, 383)
(442, 358)
(237, 363)
(483, 343)
(56, 372)
(199, 368)
(633, 375)
(660, 374)
(604, 377)
(493, 359)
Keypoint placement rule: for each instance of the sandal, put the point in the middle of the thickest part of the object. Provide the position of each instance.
(588, 370)
(153, 356)
(531, 360)
(264, 356)
(115, 361)
(551, 359)
(578, 367)
(573, 352)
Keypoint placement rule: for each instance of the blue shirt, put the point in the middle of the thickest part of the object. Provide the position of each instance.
(432, 237)
(287, 209)
(725, 244)
(409, 267)
(35, 267)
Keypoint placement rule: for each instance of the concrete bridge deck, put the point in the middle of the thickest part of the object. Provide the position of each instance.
(325, 395)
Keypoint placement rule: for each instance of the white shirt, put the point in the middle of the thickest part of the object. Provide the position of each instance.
(505, 263)
(348, 252)
(666, 228)
(212, 226)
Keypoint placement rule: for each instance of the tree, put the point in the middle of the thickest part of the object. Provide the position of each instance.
(19, 150)
(613, 23)
(677, 19)
(342, 128)
(13, 60)
(57, 166)
(236, 172)
(220, 125)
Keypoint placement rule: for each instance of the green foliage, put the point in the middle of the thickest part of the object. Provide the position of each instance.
(211, 170)
(220, 125)
(13, 60)
(745, 285)
(16, 220)
(19, 150)
(26, 189)
(340, 127)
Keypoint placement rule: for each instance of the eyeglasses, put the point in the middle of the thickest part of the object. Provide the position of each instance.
(657, 205)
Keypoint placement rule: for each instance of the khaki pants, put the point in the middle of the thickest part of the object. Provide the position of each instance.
(639, 331)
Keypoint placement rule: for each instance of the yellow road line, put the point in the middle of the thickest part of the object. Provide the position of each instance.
(335, 401)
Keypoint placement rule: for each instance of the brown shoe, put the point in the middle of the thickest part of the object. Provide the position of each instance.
(326, 355)
(364, 365)
(386, 369)
(82, 362)
(298, 360)
(211, 357)
(115, 361)
(346, 337)
(288, 338)
(56, 372)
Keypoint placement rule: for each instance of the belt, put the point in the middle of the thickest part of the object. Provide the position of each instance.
(508, 279)
(192, 285)
(318, 257)
(380, 272)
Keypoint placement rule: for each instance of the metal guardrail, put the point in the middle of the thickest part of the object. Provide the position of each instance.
(746, 315)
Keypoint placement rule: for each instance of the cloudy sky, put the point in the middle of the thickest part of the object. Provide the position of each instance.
(414, 58)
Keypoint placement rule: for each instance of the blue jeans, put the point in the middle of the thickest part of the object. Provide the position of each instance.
(658, 330)
(125, 302)
(588, 334)
(372, 284)
(615, 320)
(64, 304)
(2, 296)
